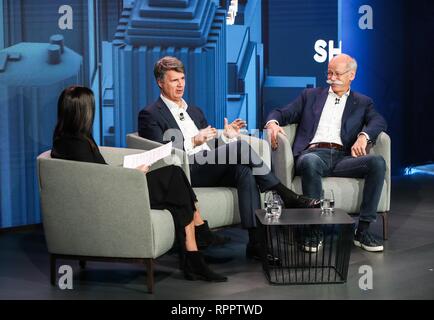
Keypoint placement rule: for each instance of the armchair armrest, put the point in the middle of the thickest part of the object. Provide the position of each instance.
(283, 158)
(115, 156)
(260, 146)
(178, 156)
(382, 147)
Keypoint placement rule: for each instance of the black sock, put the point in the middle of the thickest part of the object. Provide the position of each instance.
(363, 225)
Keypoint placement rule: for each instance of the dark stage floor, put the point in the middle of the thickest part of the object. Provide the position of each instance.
(405, 270)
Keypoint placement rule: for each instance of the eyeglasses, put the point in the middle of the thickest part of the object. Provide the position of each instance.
(330, 74)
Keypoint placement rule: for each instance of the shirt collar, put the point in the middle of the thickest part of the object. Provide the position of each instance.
(346, 94)
(172, 105)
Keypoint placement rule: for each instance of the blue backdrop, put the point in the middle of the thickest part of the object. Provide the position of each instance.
(243, 58)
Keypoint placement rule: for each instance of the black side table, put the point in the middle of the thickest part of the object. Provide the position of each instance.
(290, 238)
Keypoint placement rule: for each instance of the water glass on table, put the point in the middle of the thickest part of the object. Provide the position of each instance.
(273, 205)
(276, 208)
(327, 201)
(268, 203)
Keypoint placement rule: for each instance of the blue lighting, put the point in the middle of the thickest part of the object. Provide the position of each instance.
(420, 170)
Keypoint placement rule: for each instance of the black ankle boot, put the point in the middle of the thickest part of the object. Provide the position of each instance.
(205, 237)
(195, 268)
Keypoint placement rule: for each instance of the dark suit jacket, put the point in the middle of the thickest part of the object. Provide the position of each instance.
(156, 120)
(359, 115)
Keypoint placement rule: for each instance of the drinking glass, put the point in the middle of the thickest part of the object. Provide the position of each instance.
(276, 208)
(268, 204)
(327, 201)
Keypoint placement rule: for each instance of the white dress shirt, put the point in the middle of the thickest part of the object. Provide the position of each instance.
(329, 126)
(187, 125)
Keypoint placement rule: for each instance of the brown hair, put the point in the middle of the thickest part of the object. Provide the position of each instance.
(166, 64)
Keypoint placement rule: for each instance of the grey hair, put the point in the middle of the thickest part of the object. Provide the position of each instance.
(352, 64)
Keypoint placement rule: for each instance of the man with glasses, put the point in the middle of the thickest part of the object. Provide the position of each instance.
(335, 127)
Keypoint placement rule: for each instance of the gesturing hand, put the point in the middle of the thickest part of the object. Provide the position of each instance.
(359, 147)
(232, 130)
(144, 168)
(273, 130)
(204, 135)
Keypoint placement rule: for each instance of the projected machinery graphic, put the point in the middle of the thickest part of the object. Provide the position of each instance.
(194, 31)
(31, 77)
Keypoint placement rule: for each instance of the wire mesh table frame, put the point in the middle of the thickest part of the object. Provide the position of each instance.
(291, 239)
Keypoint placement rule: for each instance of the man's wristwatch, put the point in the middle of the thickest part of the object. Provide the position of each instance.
(366, 136)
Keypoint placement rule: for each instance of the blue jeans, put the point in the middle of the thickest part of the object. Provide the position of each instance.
(315, 163)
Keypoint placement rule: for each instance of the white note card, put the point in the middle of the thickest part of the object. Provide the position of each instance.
(132, 161)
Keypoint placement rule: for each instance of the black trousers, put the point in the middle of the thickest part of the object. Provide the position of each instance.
(234, 165)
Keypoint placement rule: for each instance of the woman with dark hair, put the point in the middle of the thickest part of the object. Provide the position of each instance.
(169, 188)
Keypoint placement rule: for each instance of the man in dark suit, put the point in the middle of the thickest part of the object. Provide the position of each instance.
(335, 127)
(170, 118)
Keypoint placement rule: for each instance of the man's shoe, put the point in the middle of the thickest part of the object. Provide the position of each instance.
(306, 202)
(294, 200)
(205, 237)
(368, 242)
(253, 251)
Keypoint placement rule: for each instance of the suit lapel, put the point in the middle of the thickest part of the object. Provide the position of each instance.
(319, 106)
(349, 107)
(165, 112)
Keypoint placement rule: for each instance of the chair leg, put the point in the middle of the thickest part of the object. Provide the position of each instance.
(82, 264)
(150, 274)
(52, 270)
(385, 216)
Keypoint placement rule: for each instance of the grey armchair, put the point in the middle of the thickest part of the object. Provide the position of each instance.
(218, 205)
(101, 213)
(347, 191)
